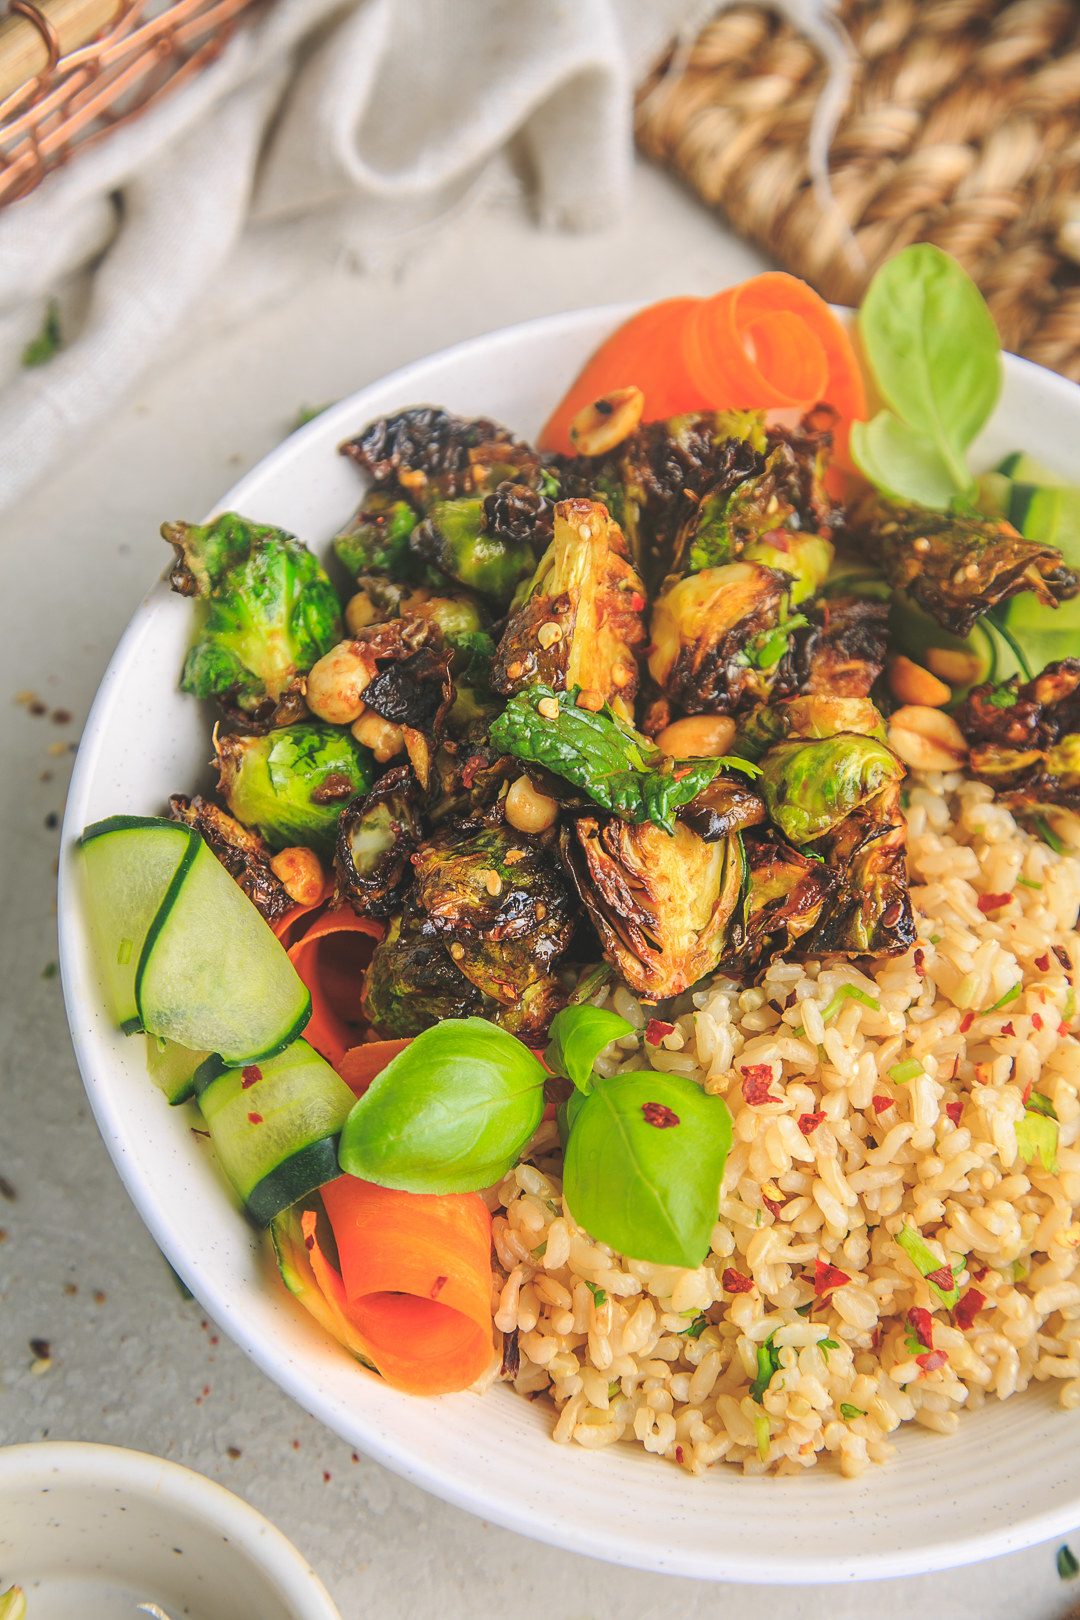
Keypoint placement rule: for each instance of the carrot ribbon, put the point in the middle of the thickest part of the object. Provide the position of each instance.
(413, 1293)
(330, 954)
(768, 344)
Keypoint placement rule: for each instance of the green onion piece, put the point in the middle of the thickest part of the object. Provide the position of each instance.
(597, 1293)
(1029, 883)
(848, 992)
(935, 939)
(590, 982)
(768, 1363)
(761, 1429)
(613, 1389)
(825, 1345)
(927, 1263)
(847, 1411)
(1037, 1136)
(1019, 1270)
(1003, 1001)
(1067, 1566)
(1070, 1005)
(696, 1328)
(1048, 836)
(1039, 1104)
(903, 1072)
(541, 1251)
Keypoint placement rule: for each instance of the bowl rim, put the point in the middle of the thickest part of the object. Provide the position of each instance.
(103, 1469)
(437, 1476)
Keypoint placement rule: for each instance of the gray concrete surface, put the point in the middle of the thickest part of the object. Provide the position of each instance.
(132, 1362)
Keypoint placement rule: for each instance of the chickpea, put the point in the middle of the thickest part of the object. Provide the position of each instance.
(336, 682)
(360, 611)
(528, 810)
(301, 873)
(381, 736)
(700, 736)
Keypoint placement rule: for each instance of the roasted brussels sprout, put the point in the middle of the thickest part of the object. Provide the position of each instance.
(810, 787)
(806, 557)
(809, 717)
(956, 568)
(271, 613)
(243, 854)
(430, 455)
(455, 540)
(843, 651)
(377, 539)
(721, 638)
(869, 912)
(663, 904)
(376, 838)
(412, 982)
(725, 807)
(1025, 737)
(580, 624)
(784, 898)
(501, 907)
(291, 785)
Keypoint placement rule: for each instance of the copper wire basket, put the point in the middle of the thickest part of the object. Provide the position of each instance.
(962, 128)
(73, 70)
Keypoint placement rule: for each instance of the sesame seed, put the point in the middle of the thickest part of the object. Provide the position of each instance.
(548, 634)
(514, 670)
(588, 699)
(493, 883)
(621, 675)
(549, 708)
(457, 951)
(921, 544)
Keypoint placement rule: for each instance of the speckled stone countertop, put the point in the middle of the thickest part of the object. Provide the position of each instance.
(97, 1341)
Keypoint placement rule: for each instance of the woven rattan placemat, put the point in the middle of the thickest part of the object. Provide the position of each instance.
(963, 128)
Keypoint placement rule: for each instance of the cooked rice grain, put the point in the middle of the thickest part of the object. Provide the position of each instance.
(938, 1150)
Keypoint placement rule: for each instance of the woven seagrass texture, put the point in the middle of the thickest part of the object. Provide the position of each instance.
(962, 128)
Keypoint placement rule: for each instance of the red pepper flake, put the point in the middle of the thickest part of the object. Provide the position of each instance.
(933, 1361)
(877, 1336)
(1036, 1021)
(214, 1339)
(250, 1076)
(681, 771)
(791, 1000)
(1007, 1029)
(954, 1110)
(881, 1102)
(255, 1119)
(678, 1454)
(827, 1277)
(779, 539)
(966, 1022)
(968, 1307)
(637, 602)
(476, 762)
(296, 1445)
(206, 1389)
(992, 902)
(772, 1206)
(1063, 957)
(1027, 1093)
(735, 1283)
(978, 1272)
(656, 1114)
(656, 1029)
(942, 1278)
(1043, 963)
(757, 1080)
(920, 959)
(922, 1325)
(437, 1286)
(326, 1477)
(808, 1123)
(1063, 1028)
(355, 1457)
(309, 1241)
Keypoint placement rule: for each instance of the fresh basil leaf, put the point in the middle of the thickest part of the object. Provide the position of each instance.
(578, 1036)
(450, 1114)
(902, 462)
(615, 765)
(933, 349)
(644, 1159)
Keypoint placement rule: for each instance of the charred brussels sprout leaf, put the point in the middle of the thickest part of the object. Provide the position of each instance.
(869, 910)
(376, 837)
(785, 895)
(843, 653)
(429, 455)
(643, 1166)
(455, 539)
(580, 623)
(1025, 737)
(615, 765)
(412, 982)
(578, 1036)
(811, 786)
(271, 611)
(719, 638)
(451, 1114)
(292, 784)
(243, 854)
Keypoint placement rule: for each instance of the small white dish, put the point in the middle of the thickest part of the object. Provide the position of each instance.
(94, 1532)
(1008, 1479)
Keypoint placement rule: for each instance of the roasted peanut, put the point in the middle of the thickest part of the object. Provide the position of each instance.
(700, 736)
(381, 736)
(527, 809)
(926, 739)
(606, 422)
(910, 683)
(954, 665)
(301, 874)
(335, 684)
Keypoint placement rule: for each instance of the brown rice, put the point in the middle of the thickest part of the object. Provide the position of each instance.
(615, 1358)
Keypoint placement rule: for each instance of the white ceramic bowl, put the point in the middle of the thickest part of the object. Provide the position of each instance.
(1011, 1476)
(91, 1532)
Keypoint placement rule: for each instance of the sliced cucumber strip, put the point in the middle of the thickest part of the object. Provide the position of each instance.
(1024, 469)
(178, 1070)
(130, 862)
(212, 975)
(275, 1127)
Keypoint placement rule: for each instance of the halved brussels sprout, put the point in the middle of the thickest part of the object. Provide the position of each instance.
(292, 784)
(720, 637)
(810, 787)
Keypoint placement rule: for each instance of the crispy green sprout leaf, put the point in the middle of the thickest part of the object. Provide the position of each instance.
(810, 787)
(293, 784)
(271, 612)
